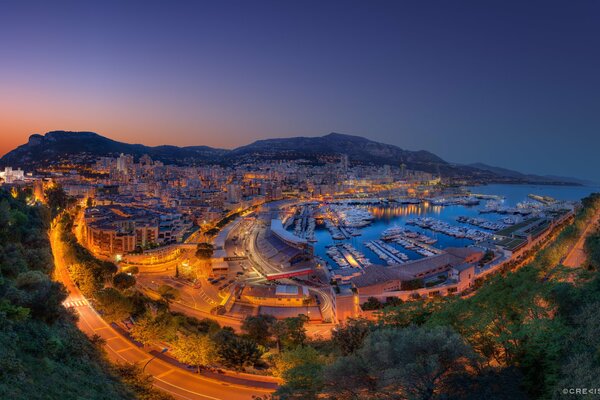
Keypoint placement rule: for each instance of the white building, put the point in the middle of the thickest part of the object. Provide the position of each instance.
(9, 175)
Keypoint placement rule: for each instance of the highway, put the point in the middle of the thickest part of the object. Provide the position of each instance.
(176, 381)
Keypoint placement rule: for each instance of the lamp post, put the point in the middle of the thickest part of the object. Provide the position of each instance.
(156, 355)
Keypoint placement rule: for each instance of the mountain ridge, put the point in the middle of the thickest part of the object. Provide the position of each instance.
(57, 146)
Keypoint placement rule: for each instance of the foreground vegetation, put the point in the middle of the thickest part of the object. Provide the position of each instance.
(42, 353)
(527, 333)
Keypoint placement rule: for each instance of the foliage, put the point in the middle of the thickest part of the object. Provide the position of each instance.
(592, 248)
(259, 328)
(303, 382)
(350, 337)
(149, 329)
(413, 362)
(123, 281)
(42, 353)
(56, 198)
(115, 305)
(290, 332)
(236, 352)
(372, 303)
(168, 294)
(204, 251)
(196, 350)
(292, 358)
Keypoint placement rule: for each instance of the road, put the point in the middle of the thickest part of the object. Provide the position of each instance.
(576, 257)
(176, 381)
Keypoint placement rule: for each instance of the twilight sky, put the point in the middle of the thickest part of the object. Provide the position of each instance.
(512, 84)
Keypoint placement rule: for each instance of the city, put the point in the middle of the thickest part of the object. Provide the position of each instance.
(184, 249)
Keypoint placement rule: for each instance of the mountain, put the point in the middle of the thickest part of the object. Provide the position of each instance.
(57, 146)
(543, 179)
(62, 147)
(358, 149)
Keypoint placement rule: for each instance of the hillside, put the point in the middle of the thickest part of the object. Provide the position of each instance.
(536, 178)
(42, 353)
(56, 146)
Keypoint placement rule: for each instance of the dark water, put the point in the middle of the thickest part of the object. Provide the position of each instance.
(387, 216)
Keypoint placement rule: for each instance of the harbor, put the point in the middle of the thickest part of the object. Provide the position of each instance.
(351, 235)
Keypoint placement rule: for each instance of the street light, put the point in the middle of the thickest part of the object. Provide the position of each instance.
(156, 355)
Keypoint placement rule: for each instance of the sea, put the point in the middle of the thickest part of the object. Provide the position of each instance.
(396, 215)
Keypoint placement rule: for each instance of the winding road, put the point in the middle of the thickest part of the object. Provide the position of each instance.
(577, 256)
(179, 382)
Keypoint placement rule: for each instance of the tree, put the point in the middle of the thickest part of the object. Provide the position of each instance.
(123, 281)
(488, 383)
(236, 352)
(147, 329)
(290, 332)
(259, 328)
(350, 337)
(34, 290)
(196, 350)
(292, 358)
(372, 303)
(114, 305)
(409, 363)
(239, 353)
(168, 294)
(57, 199)
(303, 382)
(204, 251)
(85, 279)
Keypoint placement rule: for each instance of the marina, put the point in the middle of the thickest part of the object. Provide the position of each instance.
(396, 231)
(386, 252)
(482, 223)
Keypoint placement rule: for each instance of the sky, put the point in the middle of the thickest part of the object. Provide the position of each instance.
(508, 83)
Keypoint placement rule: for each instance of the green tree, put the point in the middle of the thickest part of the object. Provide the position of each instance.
(85, 279)
(292, 358)
(350, 337)
(139, 382)
(196, 350)
(372, 303)
(409, 363)
(303, 382)
(204, 251)
(114, 305)
(150, 329)
(35, 291)
(56, 198)
(123, 280)
(290, 332)
(259, 328)
(236, 352)
(168, 294)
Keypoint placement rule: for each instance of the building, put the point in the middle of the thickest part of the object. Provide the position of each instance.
(287, 237)
(275, 296)
(10, 175)
(117, 229)
(234, 193)
(378, 280)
